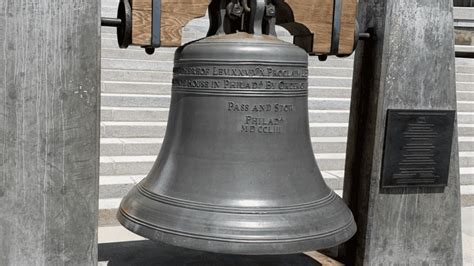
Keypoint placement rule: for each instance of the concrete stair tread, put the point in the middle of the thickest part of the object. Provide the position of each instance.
(150, 158)
(160, 140)
(134, 108)
(136, 95)
(114, 203)
(132, 123)
(144, 129)
(120, 180)
(131, 140)
(319, 156)
(163, 100)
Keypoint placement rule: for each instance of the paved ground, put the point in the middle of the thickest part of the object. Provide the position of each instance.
(468, 235)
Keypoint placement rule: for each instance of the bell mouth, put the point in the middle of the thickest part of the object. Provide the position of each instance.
(251, 232)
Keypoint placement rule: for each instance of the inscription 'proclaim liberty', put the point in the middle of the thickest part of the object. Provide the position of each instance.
(211, 79)
(245, 71)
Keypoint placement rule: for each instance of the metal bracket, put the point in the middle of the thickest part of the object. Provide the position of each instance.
(123, 23)
(155, 27)
(336, 26)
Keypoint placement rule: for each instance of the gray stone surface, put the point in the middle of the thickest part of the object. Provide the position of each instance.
(410, 65)
(49, 132)
(468, 235)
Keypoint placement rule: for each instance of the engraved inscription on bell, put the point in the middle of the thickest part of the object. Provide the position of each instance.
(417, 148)
(230, 78)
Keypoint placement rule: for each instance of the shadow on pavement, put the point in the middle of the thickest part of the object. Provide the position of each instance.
(147, 252)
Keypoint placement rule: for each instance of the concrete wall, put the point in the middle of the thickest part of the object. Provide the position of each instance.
(409, 65)
(49, 131)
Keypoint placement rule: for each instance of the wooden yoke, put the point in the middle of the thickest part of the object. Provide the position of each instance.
(321, 27)
(175, 14)
(331, 24)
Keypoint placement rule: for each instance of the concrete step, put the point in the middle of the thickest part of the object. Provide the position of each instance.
(134, 64)
(127, 87)
(132, 129)
(464, 86)
(164, 88)
(108, 206)
(160, 114)
(467, 175)
(151, 114)
(166, 54)
(137, 54)
(465, 69)
(163, 101)
(466, 143)
(334, 179)
(151, 65)
(140, 165)
(135, 100)
(136, 75)
(109, 11)
(108, 183)
(465, 95)
(316, 74)
(465, 106)
(151, 146)
(465, 77)
(134, 114)
(113, 129)
(112, 186)
(163, 77)
(156, 71)
(124, 65)
(465, 129)
(466, 117)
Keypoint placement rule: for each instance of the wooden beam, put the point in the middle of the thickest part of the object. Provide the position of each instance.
(323, 259)
(175, 15)
(317, 17)
(348, 26)
(141, 22)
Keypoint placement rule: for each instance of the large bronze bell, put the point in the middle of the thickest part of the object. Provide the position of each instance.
(236, 172)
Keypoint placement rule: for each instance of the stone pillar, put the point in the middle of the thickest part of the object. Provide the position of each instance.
(49, 131)
(409, 65)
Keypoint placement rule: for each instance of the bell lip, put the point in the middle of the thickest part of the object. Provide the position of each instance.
(187, 204)
(235, 244)
(230, 246)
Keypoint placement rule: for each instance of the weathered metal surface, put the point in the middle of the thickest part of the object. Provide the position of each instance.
(236, 172)
(408, 65)
(417, 148)
(49, 132)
